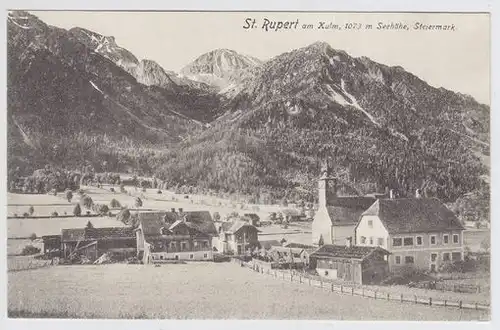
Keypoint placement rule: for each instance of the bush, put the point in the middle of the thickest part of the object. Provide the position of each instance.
(123, 216)
(138, 202)
(31, 210)
(55, 214)
(26, 214)
(77, 211)
(88, 212)
(112, 189)
(30, 250)
(33, 237)
(158, 192)
(460, 266)
(102, 209)
(87, 201)
(114, 204)
(69, 195)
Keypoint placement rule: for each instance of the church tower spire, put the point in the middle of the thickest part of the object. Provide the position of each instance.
(327, 185)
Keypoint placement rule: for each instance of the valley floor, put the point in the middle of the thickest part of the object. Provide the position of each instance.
(177, 291)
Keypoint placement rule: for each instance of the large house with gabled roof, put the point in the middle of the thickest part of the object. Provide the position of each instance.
(418, 232)
(175, 235)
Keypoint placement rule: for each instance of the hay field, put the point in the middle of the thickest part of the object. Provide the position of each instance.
(195, 291)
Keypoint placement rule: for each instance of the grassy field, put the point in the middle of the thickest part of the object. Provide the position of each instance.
(225, 291)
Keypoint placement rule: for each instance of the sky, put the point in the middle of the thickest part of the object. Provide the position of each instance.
(458, 60)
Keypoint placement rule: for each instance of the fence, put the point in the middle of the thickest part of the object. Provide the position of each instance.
(20, 264)
(364, 292)
(443, 286)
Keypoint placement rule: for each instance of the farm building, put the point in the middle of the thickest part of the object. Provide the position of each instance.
(350, 263)
(52, 245)
(236, 237)
(175, 236)
(91, 243)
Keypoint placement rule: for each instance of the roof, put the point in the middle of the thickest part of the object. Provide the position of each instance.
(282, 249)
(232, 227)
(300, 246)
(200, 220)
(268, 244)
(343, 251)
(414, 215)
(347, 210)
(85, 234)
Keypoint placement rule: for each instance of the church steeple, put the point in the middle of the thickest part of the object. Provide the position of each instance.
(327, 185)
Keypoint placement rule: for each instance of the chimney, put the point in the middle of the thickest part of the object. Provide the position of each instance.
(418, 194)
(348, 242)
(392, 195)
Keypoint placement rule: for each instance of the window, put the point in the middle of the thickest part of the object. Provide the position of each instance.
(380, 241)
(183, 245)
(434, 257)
(397, 241)
(420, 240)
(371, 240)
(161, 257)
(370, 223)
(433, 240)
(446, 256)
(363, 240)
(456, 256)
(205, 244)
(397, 259)
(205, 255)
(408, 241)
(455, 238)
(409, 260)
(445, 239)
(191, 256)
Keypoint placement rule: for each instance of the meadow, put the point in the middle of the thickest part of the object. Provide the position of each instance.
(177, 291)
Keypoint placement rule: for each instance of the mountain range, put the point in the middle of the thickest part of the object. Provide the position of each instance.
(233, 123)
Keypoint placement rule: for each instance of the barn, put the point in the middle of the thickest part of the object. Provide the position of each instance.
(353, 264)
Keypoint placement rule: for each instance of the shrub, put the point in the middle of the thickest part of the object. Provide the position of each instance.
(114, 203)
(55, 214)
(138, 202)
(31, 210)
(88, 212)
(33, 237)
(102, 209)
(216, 216)
(30, 250)
(69, 195)
(112, 189)
(123, 216)
(158, 192)
(89, 225)
(77, 211)
(26, 214)
(87, 201)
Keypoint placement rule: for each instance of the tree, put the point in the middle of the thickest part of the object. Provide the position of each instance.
(31, 210)
(89, 225)
(138, 202)
(123, 216)
(69, 195)
(33, 237)
(87, 201)
(216, 216)
(486, 244)
(114, 204)
(103, 209)
(77, 211)
(30, 250)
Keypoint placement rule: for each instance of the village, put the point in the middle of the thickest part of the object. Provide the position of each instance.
(373, 243)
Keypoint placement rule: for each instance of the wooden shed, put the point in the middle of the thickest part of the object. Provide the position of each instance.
(355, 264)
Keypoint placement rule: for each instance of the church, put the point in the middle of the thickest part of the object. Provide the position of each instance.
(338, 213)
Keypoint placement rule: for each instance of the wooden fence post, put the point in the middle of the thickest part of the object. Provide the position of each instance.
(332, 287)
(476, 306)
(341, 288)
(300, 279)
(388, 296)
(401, 297)
(460, 304)
(375, 296)
(445, 303)
(362, 292)
(352, 291)
(430, 301)
(415, 299)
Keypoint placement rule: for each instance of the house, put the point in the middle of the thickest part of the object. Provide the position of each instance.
(350, 263)
(236, 237)
(306, 250)
(91, 243)
(421, 232)
(174, 235)
(52, 245)
(337, 214)
(252, 218)
(292, 253)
